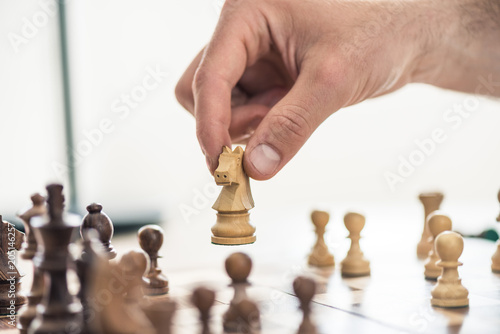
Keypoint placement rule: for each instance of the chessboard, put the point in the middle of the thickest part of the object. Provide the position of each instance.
(394, 298)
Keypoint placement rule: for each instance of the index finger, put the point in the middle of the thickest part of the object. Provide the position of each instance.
(222, 65)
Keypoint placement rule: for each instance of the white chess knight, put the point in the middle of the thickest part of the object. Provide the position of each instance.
(355, 263)
(449, 291)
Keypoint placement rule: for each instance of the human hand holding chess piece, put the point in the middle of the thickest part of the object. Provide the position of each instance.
(275, 70)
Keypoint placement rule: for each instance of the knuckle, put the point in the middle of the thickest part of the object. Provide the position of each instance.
(201, 76)
(293, 122)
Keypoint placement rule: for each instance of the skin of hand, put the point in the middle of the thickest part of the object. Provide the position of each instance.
(274, 70)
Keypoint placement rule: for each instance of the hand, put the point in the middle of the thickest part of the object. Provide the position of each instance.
(275, 70)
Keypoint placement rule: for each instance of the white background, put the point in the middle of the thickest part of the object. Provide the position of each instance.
(150, 165)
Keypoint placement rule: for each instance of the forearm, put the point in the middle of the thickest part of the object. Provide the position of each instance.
(466, 51)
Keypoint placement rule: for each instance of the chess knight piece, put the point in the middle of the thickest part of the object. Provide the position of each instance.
(233, 220)
(10, 278)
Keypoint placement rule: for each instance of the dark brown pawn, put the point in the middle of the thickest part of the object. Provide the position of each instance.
(304, 289)
(203, 299)
(151, 239)
(38, 209)
(249, 316)
(27, 313)
(160, 312)
(59, 312)
(133, 265)
(238, 267)
(99, 221)
(87, 269)
(8, 272)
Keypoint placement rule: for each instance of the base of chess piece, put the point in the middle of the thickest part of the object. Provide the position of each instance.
(156, 284)
(233, 229)
(355, 267)
(321, 258)
(7, 288)
(495, 260)
(441, 294)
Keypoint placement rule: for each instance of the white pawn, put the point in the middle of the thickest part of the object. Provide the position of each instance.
(355, 263)
(437, 223)
(449, 291)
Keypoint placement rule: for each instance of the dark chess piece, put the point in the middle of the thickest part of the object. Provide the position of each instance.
(203, 299)
(10, 278)
(304, 289)
(133, 265)
(160, 312)
(238, 267)
(87, 268)
(27, 313)
(98, 220)
(59, 312)
(151, 239)
(249, 316)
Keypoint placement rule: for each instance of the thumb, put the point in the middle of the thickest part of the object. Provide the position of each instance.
(286, 128)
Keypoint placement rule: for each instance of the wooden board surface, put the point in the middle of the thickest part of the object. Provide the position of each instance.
(394, 299)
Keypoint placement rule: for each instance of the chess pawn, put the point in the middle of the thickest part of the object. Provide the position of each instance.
(203, 299)
(355, 263)
(87, 268)
(437, 223)
(38, 209)
(99, 221)
(238, 267)
(10, 278)
(151, 239)
(248, 315)
(431, 203)
(498, 218)
(160, 312)
(27, 313)
(320, 255)
(133, 265)
(449, 291)
(304, 289)
(495, 259)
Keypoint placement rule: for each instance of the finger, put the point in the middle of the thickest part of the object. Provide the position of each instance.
(288, 125)
(183, 89)
(233, 47)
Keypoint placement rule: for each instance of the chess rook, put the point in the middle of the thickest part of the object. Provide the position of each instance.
(233, 220)
(27, 313)
(304, 289)
(320, 255)
(449, 291)
(99, 221)
(151, 239)
(58, 312)
(355, 263)
(10, 277)
(437, 223)
(431, 203)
